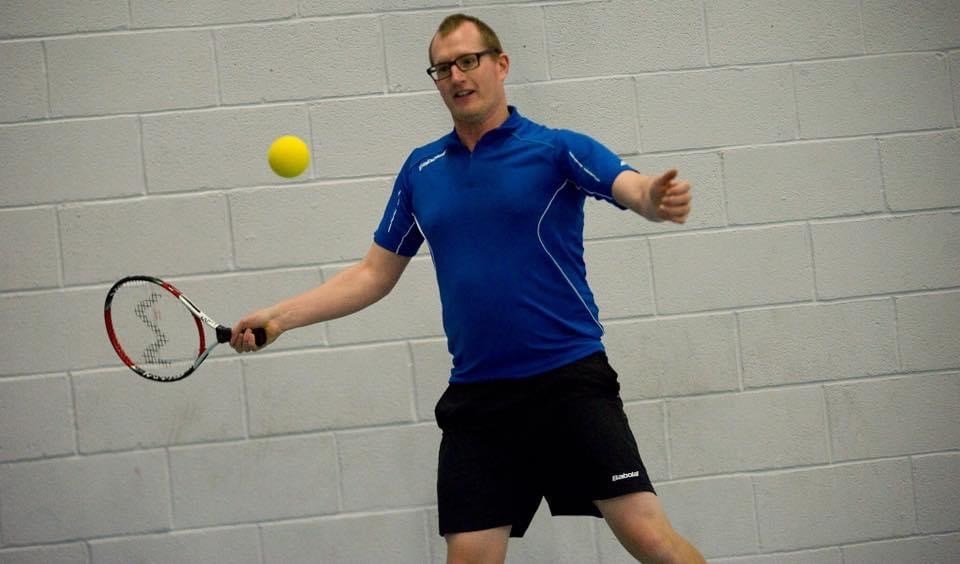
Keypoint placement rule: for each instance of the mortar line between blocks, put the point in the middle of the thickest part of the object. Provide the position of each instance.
(216, 66)
(913, 489)
(414, 398)
(827, 427)
(46, 77)
(738, 340)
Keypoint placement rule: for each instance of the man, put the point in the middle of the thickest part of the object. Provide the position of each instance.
(532, 409)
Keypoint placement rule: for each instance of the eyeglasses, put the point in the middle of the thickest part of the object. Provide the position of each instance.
(465, 63)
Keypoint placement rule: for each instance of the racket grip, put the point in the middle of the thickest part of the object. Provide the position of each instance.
(225, 333)
(260, 336)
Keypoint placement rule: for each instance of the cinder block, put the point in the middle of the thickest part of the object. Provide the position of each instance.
(789, 182)
(438, 545)
(894, 417)
(810, 343)
(626, 45)
(297, 61)
(620, 277)
(24, 86)
(329, 390)
(785, 428)
(921, 171)
(25, 19)
(432, 364)
(318, 224)
(928, 327)
(407, 37)
(715, 108)
(412, 310)
(55, 162)
(102, 255)
(926, 549)
(875, 256)
(35, 339)
(389, 468)
(758, 31)
(116, 410)
(74, 498)
(670, 357)
(610, 117)
(80, 310)
(889, 25)
(648, 424)
(836, 505)
(702, 170)
(821, 556)
(36, 418)
(716, 515)
(745, 267)
(30, 256)
(175, 13)
(220, 148)
(335, 7)
(253, 481)
(233, 544)
(131, 73)
(558, 540)
(349, 137)
(873, 95)
(938, 498)
(74, 553)
(369, 538)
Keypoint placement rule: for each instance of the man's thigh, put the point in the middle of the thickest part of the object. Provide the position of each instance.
(483, 482)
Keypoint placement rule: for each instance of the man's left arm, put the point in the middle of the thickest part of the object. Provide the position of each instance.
(657, 198)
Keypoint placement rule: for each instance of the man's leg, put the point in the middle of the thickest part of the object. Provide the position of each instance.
(641, 525)
(478, 547)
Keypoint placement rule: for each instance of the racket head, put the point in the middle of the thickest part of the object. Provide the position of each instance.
(151, 330)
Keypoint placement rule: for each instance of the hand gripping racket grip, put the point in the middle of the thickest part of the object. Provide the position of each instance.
(224, 333)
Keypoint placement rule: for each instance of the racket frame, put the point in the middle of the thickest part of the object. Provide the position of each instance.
(223, 332)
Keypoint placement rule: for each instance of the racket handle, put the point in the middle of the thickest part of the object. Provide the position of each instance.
(259, 335)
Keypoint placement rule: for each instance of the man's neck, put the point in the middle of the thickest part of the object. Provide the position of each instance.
(471, 132)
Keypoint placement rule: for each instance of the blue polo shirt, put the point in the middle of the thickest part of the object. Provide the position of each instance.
(504, 224)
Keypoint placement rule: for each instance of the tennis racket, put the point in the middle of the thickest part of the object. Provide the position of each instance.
(157, 331)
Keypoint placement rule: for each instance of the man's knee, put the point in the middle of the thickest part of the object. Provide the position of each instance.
(649, 539)
(641, 525)
(478, 547)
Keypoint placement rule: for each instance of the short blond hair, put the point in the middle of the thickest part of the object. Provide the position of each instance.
(452, 22)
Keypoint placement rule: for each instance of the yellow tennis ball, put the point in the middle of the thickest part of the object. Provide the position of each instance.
(288, 156)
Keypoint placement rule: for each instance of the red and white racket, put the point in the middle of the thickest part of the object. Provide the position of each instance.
(157, 331)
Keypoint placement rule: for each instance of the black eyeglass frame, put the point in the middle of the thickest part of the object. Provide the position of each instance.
(449, 64)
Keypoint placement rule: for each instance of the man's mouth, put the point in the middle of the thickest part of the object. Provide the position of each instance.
(462, 93)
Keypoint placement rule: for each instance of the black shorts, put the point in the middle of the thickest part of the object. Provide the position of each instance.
(507, 444)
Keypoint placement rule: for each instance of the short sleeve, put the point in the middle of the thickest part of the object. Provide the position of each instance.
(590, 165)
(398, 231)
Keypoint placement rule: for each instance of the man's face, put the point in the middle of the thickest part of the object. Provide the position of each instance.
(471, 96)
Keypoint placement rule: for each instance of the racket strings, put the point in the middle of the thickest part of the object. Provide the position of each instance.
(155, 330)
(151, 354)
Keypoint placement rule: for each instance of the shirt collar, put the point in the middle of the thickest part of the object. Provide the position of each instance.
(506, 128)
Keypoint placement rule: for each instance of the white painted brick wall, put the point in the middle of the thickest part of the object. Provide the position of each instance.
(789, 358)
(23, 88)
(757, 31)
(130, 73)
(55, 162)
(233, 544)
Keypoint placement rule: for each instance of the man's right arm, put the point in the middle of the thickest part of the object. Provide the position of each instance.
(351, 290)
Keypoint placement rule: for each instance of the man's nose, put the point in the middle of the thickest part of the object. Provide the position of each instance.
(456, 75)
